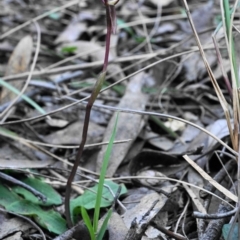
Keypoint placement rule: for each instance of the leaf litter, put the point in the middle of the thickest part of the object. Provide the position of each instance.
(154, 203)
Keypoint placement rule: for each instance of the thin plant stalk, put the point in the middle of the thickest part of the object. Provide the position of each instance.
(110, 16)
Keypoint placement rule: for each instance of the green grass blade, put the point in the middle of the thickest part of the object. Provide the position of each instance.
(104, 225)
(227, 15)
(102, 176)
(88, 222)
(227, 19)
(23, 96)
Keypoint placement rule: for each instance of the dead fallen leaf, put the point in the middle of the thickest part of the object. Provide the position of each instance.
(116, 227)
(71, 33)
(140, 209)
(10, 226)
(72, 134)
(129, 125)
(18, 63)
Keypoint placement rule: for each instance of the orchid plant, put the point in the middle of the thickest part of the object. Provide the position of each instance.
(111, 28)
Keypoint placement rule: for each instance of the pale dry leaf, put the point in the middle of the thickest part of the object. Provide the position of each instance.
(175, 125)
(10, 226)
(15, 236)
(195, 198)
(18, 63)
(158, 141)
(71, 33)
(60, 123)
(129, 125)
(162, 2)
(116, 227)
(72, 134)
(145, 204)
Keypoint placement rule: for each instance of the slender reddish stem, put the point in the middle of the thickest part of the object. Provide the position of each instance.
(94, 94)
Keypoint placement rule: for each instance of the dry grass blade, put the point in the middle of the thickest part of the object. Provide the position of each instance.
(226, 192)
(236, 109)
(218, 91)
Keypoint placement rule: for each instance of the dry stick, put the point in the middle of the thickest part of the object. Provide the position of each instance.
(215, 215)
(96, 90)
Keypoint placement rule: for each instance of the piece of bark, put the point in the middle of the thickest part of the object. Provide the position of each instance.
(128, 126)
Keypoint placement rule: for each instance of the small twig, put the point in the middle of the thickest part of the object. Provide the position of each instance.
(167, 232)
(215, 215)
(21, 184)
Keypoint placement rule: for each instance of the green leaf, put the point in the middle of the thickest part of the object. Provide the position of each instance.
(68, 49)
(234, 234)
(104, 225)
(50, 220)
(88, 199)
(87, 222)
(53, 198)
(7, 197)
(55, 15)
(103, 171)
(121, 23)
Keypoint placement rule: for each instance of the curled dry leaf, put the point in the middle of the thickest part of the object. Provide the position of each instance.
(129, 125)
(18, 63)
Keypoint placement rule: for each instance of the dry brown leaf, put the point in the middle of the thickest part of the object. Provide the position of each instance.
(71, 33)
(72, 134)
(145, 204)
(116, 227)
(10, 226)
(18, 63)
(129, 125)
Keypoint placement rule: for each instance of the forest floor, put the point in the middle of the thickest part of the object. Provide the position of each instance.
(157, 86)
